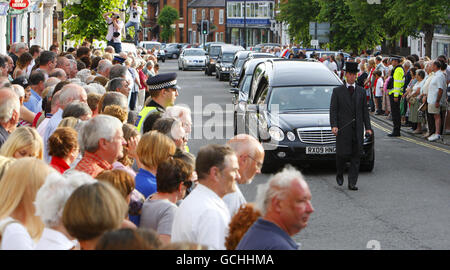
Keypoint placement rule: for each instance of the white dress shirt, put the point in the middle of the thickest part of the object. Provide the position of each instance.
(202, 218)
(51, 127)
(54, 240)
(234, 201)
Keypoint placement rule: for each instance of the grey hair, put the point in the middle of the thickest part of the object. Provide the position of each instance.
(117, 71)
(19, 45)
(18, 89)
(69, 93)
(278, 186)
(104, 65)
(52, 81)
(53, 195)
(83, 74)
(100, 127)
(407, 63)
(95, 88)
(115, 98)
(8, 105)
(115, 83)
(149, 64)
(76, 109)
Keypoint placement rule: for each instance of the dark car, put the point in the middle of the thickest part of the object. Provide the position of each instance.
(212, 52)
(238, 62)
(172, 50)
(225, 60)
(287, 109)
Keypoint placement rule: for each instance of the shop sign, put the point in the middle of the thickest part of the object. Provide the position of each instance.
(4, 9)
(19, 4)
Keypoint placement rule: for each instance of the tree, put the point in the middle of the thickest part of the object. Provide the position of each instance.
(299, 25)
(83, 18)
(166, 18)
(414, 16)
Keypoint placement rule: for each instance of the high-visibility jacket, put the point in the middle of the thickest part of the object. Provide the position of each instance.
(399, 81)
(146, 111)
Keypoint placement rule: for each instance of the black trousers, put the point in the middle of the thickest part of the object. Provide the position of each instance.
(380, 104)
(133, 100)
(395, 112)
(355, 160)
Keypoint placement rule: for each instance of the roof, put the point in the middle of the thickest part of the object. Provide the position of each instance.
(293, 72)
(207, 3)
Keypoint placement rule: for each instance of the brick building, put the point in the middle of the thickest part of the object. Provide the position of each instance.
(212, 10)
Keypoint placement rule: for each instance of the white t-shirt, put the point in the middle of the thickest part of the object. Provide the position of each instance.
(202, 218)
(54, 240)
(332, 66)
(379, 87)
(438, 81)
(234, 201)
(15, 236)
(136, 19)
(111, 30)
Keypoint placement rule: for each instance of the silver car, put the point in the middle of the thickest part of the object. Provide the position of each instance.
(192, 58)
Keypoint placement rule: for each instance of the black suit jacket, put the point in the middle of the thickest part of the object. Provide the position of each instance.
(343, 109)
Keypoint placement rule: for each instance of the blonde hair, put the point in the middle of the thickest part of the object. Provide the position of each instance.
(93, 209)
(154, 148)
(5, 162)
(69, 122)
(18, 188)
(22, 137)
(108, 56)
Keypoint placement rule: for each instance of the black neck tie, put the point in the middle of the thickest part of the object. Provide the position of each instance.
(351, 89)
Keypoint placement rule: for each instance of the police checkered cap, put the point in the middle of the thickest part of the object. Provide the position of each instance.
(162, 81)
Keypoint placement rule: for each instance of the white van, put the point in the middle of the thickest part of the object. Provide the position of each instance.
(154, 44)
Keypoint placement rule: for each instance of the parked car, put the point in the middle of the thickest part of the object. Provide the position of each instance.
(212, 52)
(287, 110)
(225, 60)
(158, 47)
(173, 50)
(192, 58)
(239, 59)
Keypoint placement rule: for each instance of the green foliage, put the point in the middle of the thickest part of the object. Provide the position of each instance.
(356, 25)
(166, 18)
(83, 19)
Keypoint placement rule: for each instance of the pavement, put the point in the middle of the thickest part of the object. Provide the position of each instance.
(445, 140)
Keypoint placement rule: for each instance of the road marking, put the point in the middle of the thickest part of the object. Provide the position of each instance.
(412, 140)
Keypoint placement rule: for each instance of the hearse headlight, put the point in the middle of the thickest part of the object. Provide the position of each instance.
(291, 136)
(276, 133)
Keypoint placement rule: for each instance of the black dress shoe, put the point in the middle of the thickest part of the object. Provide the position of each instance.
(351, 187)
(394, 135)
(340, 179)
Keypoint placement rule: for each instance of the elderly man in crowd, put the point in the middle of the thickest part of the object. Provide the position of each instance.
(102, 141)
(9, 113)
(69, 93)
(250, 154)
(119, 85)
(285, 204)
(104, 68)
(47, 62)
(18, 49)
(203, 217)
(59, 73)
(63, 63)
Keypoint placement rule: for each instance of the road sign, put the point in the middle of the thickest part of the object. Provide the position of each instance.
(315, 42)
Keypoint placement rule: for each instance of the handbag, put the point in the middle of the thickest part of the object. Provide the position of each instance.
(412, 100)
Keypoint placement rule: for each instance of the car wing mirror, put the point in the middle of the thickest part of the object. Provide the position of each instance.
(234, 91)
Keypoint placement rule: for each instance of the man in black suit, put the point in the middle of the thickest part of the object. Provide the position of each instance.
(349, 116)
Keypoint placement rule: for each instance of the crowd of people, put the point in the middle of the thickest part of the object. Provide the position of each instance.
(94, 155)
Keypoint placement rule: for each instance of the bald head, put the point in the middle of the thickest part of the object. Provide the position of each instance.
(59, 73)
(72, 92)
(250, 154)
(52, 81)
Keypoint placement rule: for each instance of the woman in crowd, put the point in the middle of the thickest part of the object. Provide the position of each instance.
(415, 101)
(63, 148)
(20, 228)
(408, 92)
(69, 122)
(22, 65)
(92, 210)
(116, 111)
(5, 162)
(153, 149)
(129, 239)
(50, 201)
(132, 137)
(23, 142)
(143, 82)
(158, 212)
(240, 223)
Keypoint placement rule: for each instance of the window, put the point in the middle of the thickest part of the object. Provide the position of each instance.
(211, 15)
(194, 16)
(221, 16)
(221, 36)
(181, 9)
(203, 14)
(217, 36)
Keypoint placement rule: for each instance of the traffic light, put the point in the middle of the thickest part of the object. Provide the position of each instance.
(205, 27)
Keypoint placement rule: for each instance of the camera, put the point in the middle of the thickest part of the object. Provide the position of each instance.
(134, 14)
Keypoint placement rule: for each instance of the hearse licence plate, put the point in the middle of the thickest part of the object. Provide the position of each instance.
(319, 150)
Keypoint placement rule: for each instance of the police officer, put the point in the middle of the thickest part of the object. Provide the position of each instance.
(395, 88)
(163, 90)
